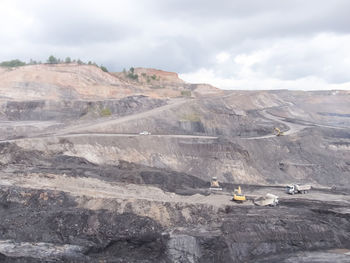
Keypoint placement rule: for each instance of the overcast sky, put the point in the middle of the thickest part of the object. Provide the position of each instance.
(233, 44)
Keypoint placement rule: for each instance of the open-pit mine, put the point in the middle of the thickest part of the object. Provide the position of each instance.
(104, 167)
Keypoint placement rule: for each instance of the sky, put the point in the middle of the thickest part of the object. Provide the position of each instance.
(231, 44)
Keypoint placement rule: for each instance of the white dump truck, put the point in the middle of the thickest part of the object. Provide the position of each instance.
(145, 133)
(298, 189)
(267, 200)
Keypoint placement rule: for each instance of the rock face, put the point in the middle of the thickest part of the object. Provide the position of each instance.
(77, 109)
(39, 223)
(204, 137)
(99, 167)
(160, 74)
(59, 82)
(88, 82)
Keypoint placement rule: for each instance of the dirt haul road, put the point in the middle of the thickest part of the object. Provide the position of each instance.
(93, 124)
(293, 127)
(96, 188)
(91, 135)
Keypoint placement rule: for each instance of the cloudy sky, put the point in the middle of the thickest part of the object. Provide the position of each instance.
(233, 44)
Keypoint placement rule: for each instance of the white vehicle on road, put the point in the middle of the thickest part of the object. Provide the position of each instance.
(145, 133)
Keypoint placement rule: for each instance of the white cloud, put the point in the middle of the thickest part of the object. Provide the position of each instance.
(229, 43)
(222, 57)
(14, 21)
(264, 83)
(314, 63)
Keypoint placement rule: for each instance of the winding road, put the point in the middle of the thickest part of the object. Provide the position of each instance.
(293, 127)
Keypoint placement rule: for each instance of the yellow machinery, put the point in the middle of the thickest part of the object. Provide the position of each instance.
(214, 184)
(238, 196)
(278, 132)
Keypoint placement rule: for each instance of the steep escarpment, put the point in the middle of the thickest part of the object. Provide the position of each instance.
(165, 84)
(88, 82)
(51, 220)
(275, 160)
(59, 82)
(43, 110)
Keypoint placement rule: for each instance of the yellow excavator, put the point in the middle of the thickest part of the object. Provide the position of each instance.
(238, 196)
(278, 132)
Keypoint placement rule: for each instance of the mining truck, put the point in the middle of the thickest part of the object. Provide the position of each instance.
(214, 184)
(298, 189)
(267, 200)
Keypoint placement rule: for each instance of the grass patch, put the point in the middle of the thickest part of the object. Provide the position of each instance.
(105, 112)
(192, 117)
(186, 93)
(133, 76)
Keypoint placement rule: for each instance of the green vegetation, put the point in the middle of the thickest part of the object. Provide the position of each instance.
(192, 117)
(144, 76)
(186, 93)
(12, 63)
(105, 112)
(132, 75)
(104, 68)
(52, 60)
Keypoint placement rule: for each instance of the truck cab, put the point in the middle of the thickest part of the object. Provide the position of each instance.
(290, 189)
